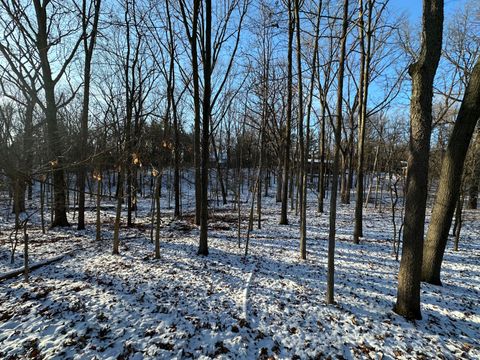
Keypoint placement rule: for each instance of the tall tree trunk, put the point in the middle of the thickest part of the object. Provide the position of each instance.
(207, 90)
(287, 138)
(54, 138)
(303, 225)
(88, 44)
(336, 159)
(301, 139)
(450, 180)
(129, 104)
(171, 99)
(362, 122)
(196, 102)
(422, 73)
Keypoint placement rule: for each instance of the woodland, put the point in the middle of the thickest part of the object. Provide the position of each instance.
(239, 179)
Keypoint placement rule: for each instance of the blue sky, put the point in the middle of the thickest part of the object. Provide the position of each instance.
(413, 8)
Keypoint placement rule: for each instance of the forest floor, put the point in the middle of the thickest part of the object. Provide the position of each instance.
(271, 304)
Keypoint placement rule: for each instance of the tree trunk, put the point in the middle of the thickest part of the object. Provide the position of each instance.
(474, 182)
(54, 138)
(362, 121)
(207, 72)
(302, 174)
(28, 144)
(458, 222)
(173, 105)
(157, 225)
(219, 172)
(88, 44)
(98, 234)
(321, 173)
(192, 38)
(118, 213)
(287, 139)
(450, 180)
(336, 160)
(42, 202)
(422, 73)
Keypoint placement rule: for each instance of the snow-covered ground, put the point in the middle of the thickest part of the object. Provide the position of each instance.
(96, 305)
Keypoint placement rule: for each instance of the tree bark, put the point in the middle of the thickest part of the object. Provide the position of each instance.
(88, 48)
(321, 173)
(422, 73)
(302, 177)
(450, 180)
(192, 38)
(363, 100)
(474, 182)
(118, 213)
(287, 138)
(336, 160)
(158, 187)
(54, 139)
(98, 234)
(207, 90)
(458, 221)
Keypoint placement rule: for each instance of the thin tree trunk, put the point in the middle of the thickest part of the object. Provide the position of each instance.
(219, 173)
(301, 138)
(118, 213)
(303, 222)
(207, 72)
(321, 175)
(158, 218)
(474, 182)
(98, 234)
(42, 203)
(192, 38)
(363, 99)
(287, 139)
(336, 161)
(26, 269)
(88, 44)
(374, 171)
(458, 221)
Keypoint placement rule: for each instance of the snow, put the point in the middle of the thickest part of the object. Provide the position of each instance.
(245, 294)
(270, 304)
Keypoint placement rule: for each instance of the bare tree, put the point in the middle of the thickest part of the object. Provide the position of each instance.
(49, 31)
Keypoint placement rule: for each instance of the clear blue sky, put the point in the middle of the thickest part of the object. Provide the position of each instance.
(413, 8)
